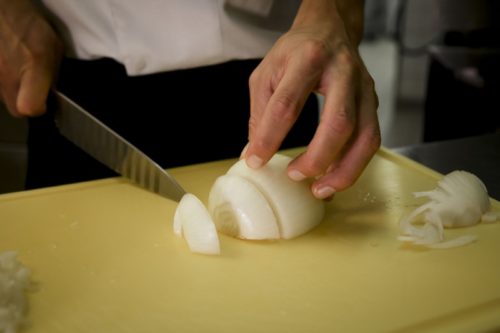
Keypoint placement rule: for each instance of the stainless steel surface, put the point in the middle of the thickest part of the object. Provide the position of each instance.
(108, 147)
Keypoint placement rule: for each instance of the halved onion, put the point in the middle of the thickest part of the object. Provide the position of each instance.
(297, 211)
(240, 210)
(247, 203)
(459, 200)
(193, 222)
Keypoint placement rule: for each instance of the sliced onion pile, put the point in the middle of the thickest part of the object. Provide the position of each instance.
(14, 282)
(459, 200)
(254, 204)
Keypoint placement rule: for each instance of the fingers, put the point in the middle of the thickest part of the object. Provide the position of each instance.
(275, 110)
(33, 90)
(262, 85)
(9, 96)
(344, 172)
(26, 96)
(335, 129)
(348, 134)
(319, 55)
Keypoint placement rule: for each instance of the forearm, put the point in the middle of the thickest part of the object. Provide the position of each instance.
(348, 13)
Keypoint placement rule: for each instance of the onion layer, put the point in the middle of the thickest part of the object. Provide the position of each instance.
(192, 221)
(240, 210)
(247, 203)
(459, 200)
(296, 209)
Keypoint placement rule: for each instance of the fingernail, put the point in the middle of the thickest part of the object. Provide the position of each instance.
(243, 152)
(296, 175)
(254, 162)
(324, 192)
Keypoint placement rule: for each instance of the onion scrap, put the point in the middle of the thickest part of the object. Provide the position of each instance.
(459, 200)
(15, 280)
(254, 204)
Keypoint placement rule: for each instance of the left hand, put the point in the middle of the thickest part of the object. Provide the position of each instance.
(317, 54)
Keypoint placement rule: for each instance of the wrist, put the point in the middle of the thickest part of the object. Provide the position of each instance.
(345, 16)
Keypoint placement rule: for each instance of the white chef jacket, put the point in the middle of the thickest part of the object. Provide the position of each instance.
(149, 36)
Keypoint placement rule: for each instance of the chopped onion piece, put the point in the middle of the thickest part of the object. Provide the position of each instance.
(192, 220)
(240, 210)
(14, 282)
(459, 200)
(459, 241)
(490, 217)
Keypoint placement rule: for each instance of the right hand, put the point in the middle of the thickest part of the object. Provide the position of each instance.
(30, 53)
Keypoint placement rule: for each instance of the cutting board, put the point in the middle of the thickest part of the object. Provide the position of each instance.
(105, 259)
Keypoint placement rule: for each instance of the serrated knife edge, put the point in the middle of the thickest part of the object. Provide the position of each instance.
(111, 149)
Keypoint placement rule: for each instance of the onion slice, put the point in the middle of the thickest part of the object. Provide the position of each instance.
(193, 222)
(459, 200)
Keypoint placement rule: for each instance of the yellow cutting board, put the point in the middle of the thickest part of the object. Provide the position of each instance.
(106, 260)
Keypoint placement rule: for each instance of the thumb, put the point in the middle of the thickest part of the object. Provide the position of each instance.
(33, 90)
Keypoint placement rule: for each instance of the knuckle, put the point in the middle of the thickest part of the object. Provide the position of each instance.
(376, 140)
(313, 167)
(369, 87)
(264, 145)
(373, 139)
(344, 182)
(316, 53)
(252, 125)
(283, 108)
(342, 123)
(346, 58)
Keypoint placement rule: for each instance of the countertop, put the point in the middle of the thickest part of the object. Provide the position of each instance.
(105, 259)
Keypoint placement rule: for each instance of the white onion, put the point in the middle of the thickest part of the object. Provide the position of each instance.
(296, 209)
(240, 210)
(255, 204)
(459, 200)
(14, 282)
(193, 222)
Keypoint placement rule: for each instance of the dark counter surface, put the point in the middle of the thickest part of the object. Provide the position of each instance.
(479, 155)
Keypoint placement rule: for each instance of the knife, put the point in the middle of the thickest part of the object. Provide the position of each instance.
(109, 148)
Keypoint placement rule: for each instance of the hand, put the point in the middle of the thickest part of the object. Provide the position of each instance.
(30, 53)
(317, 54)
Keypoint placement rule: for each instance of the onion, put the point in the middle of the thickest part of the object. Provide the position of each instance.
(240, 210)
(460, 200)
(192, 221)
(296, 209)
(14, 281)
(254, 204)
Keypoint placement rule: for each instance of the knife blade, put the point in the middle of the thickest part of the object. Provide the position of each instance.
(111, 149)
